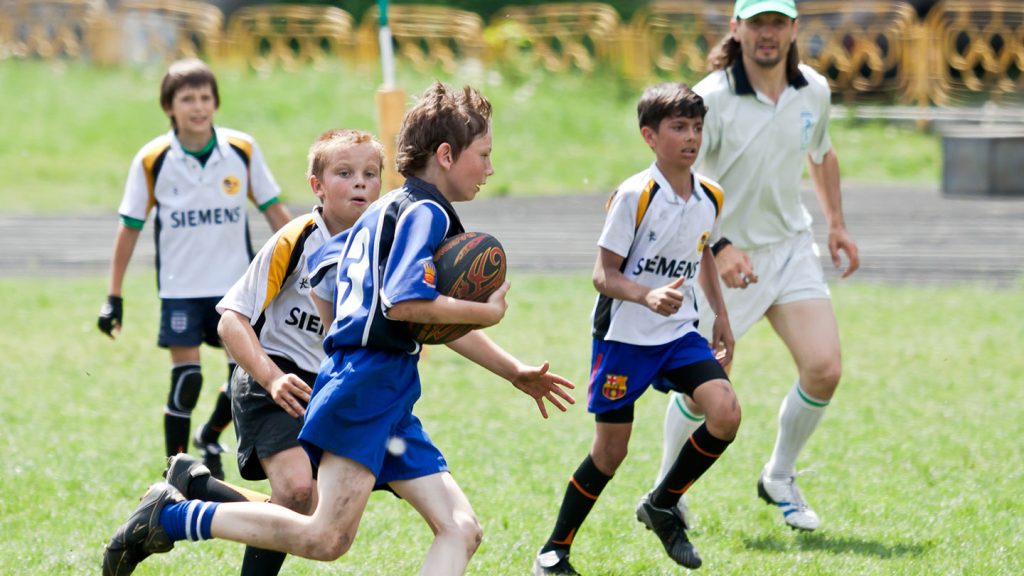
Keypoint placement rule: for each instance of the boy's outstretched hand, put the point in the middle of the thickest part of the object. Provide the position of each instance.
(541, 384)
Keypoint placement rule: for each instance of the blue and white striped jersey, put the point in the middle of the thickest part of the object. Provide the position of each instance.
(388, 258)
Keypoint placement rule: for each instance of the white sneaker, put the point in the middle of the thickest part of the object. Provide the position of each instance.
(782, 492)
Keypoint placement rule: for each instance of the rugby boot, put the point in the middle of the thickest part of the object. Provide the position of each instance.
(668, 526)
(142, 534)
(181, 469)
(683, 510)
(210, 453)
(553, 562)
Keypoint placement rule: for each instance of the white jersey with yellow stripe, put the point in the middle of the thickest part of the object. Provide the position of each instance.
(661, 237)
(274, 293)
(201, 223)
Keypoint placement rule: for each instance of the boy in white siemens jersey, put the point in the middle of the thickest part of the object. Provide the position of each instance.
(271, 328)
(654, 249)
(768, 116)
(199, 179)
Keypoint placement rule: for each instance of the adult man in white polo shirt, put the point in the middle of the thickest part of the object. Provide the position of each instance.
(766, 112)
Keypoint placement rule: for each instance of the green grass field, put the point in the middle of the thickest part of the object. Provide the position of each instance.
(918, 464)
(71, 130)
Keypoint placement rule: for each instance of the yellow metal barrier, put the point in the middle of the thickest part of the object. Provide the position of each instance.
(965, 51)
(555, 37)
(50, 28)
(427, 37)
(674, 37)
(861, 47)
(164, 30)
(978, 49)
(290, 36)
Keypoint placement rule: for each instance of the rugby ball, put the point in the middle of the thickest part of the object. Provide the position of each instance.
(469, 266)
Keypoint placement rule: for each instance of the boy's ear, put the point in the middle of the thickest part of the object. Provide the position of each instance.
(444, 155)
(648, 133)
(317, 187)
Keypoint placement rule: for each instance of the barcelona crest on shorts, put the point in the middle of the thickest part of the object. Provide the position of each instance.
(614, 386)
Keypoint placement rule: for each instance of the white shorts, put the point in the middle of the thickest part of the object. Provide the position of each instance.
(789, 271)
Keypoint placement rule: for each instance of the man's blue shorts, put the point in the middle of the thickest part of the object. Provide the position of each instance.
(621, 373)
(361, 409)
(188, 322)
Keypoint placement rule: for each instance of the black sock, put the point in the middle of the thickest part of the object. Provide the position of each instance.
(261, 562)
(584, 487)
(220, 418)
(698, 454)
(176, 433)
(212, 490)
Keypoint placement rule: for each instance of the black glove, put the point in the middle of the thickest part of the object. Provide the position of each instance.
(110, 315)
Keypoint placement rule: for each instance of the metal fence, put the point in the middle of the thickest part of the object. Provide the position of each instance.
(964, 51)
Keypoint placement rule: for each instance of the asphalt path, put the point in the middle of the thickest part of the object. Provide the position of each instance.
(906, 234)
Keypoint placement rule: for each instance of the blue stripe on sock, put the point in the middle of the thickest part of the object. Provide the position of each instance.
(173, 519)
(188, 520)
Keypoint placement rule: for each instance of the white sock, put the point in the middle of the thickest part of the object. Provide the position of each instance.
(798, 417)
(680, 423)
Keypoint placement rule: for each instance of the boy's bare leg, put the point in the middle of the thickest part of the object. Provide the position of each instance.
(292, 486)
(344, 487)
(457, 533)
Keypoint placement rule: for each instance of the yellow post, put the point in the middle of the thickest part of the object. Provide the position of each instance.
(390, 111)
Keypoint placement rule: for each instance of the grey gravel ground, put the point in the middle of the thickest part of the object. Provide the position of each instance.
(906, 234)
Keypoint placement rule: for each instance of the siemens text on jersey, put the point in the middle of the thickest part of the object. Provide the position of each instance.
(665, 267)
(305, 321)
(205, 217)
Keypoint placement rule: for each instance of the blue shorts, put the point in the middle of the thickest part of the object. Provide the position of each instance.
(620, 373)
(188, 322)
(361, 409)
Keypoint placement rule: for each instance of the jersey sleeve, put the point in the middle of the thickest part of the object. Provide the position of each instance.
(820, 143)
(136, 203)
(264, 188)
(322, 266)
(620, 224)
(409, 273)
(251, 293)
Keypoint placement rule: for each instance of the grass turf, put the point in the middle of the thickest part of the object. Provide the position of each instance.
(918, 461)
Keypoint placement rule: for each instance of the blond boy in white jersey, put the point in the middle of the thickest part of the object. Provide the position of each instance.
(199, 180)
(767, 113)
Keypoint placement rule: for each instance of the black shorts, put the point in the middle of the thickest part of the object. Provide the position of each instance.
(262, 427)
(188, 322)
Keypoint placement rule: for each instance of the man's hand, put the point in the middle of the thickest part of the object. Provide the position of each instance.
(290, 393)
(111, 314)
(734, 267)
(838, 239)
(540, 384)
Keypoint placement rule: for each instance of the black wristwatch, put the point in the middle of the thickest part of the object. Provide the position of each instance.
(717, 246)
